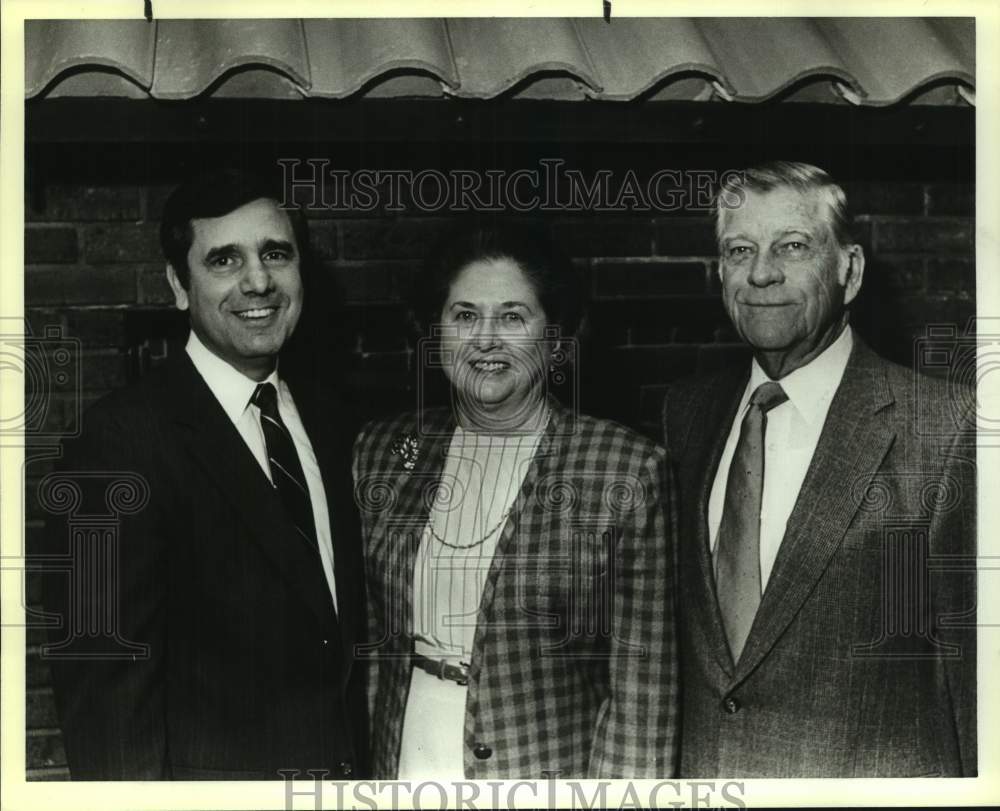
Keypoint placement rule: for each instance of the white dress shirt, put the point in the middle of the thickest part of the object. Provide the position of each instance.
(792, 433)
(233, 390)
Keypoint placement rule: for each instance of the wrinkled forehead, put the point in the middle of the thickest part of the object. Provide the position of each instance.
(778, 210)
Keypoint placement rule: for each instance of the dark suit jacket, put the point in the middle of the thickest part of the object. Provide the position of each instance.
(228, 661)
(573, 670)
(861, 659)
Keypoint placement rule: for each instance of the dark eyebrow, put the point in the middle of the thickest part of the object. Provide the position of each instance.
(505, 305)
(222, 250)
(277, 245)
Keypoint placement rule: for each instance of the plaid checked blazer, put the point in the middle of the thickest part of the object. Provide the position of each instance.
(574, 671)
(861, 661)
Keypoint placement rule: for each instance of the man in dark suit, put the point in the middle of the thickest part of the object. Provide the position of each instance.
(827, 582)
(212, 636)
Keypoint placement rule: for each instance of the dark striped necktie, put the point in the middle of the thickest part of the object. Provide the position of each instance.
(737, 579)
(286, 470)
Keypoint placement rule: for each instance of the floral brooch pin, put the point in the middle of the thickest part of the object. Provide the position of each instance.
(407, 448)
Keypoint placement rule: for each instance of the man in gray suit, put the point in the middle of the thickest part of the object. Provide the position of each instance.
(827, 496)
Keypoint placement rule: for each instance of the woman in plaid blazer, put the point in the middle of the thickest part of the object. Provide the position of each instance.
(519, 555)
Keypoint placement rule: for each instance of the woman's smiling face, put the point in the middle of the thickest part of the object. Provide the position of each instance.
(495, 352)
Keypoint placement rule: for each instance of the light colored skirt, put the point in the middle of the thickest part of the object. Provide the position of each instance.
(433, 730)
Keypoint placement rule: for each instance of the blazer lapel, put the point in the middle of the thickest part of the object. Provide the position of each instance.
(711, 420)
(852, 445)
(546, 458)
(215, 445)
(402, 527)
(323, 422)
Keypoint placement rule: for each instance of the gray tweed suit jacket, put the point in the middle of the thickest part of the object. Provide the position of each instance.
(861, 661)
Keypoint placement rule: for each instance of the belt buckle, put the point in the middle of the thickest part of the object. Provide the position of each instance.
(459, 675)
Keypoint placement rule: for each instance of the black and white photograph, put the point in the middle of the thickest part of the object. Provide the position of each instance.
(499, 411)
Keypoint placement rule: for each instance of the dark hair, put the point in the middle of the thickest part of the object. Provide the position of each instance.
(215, 194)
(528, 245)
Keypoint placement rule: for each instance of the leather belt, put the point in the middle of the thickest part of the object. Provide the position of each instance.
(442, 668)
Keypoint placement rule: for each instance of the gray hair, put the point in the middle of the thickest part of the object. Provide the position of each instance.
(802, 177)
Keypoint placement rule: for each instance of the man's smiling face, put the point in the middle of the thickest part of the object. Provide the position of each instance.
(245, 290)
(785, 280)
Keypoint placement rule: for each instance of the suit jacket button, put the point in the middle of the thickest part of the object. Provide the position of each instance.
(481, 751)
(345, 767)
(731, 705)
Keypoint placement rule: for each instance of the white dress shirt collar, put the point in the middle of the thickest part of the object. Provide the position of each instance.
(231, 388)
(810, 388)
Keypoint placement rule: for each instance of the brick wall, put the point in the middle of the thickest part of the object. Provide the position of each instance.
(93, 269)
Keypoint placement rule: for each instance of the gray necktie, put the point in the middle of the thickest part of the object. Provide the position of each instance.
(738, 549)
